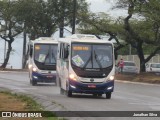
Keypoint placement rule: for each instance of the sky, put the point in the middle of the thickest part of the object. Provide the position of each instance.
(99, 5)
(106, 6)
(96, 6)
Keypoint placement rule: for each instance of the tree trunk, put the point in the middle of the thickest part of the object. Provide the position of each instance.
(141, 56)
(142, 64)
(24, 49)
(7, 55)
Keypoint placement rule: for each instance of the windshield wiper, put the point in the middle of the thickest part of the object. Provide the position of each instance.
(54, 57)
(46, 57)
(84, 67)
(99, 64)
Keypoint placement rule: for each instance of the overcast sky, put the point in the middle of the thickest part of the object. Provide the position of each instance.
(99, 5)
(105, 6)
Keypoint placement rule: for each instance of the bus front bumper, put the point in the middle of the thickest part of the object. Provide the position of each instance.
(39, 77)
(91, 88)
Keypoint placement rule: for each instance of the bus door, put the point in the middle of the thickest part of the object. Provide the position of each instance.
(64, 64)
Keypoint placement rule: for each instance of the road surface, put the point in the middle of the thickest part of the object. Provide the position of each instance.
(126, 97)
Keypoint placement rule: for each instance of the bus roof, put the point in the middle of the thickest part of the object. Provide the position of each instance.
(83, 38)
(48, 40)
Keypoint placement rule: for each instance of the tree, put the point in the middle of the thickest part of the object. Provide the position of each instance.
(9, 26)
(142, 31)
(39, 16)
(70, 11)
(43, 18)
(39, 19)
(102, 24)
(139, 32)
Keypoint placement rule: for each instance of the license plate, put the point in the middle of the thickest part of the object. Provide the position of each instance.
(91, 86)
(49, 76)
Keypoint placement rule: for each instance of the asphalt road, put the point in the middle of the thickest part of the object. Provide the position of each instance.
(126, 97)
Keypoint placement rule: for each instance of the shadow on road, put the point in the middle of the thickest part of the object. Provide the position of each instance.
(46, 84)
(89, 96)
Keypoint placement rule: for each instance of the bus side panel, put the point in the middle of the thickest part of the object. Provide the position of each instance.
(61, 73)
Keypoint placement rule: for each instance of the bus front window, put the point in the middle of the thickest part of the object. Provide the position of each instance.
(92, 56)
(45, 56)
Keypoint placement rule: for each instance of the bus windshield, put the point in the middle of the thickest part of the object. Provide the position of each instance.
(92, 56)
(45, 53)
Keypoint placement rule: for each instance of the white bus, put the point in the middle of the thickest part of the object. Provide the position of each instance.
(85, 64)
(42, 60)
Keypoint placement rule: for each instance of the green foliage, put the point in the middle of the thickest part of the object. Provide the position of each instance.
(43, 18)
(99, 23)
(140, 28)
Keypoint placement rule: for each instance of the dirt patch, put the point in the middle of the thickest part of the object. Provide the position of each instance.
(142, 77)
(10, 103)
(14, 102)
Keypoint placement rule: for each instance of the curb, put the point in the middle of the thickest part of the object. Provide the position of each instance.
(140, 83)
(47, 105)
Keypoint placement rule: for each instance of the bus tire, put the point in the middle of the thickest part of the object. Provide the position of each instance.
(69, 93)
(30, 81)
(55, 84)
(108, 95)
(62, 91)
(57, 80)
(34, 83)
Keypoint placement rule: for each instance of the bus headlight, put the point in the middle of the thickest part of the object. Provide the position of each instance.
(29, 66)
(72, 77)
(34, 69)
(111, 77)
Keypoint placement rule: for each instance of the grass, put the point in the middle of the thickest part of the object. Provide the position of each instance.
(142, 77)
(14, 102)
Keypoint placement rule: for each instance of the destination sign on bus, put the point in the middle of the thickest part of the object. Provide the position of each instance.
(80, 48)
(37, 47)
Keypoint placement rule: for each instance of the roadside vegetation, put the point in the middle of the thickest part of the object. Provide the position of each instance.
(140, 28)
(35, 18)
(14, 102)
(153, 78)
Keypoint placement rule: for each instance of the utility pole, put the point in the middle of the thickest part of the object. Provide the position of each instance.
(62, 19)
(74, 16)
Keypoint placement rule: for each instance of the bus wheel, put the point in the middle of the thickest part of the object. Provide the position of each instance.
(57, 80)
(55, 84)
(69, 93)
(34, 83)
(61, 91)
(30, 81)
(108, 95)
